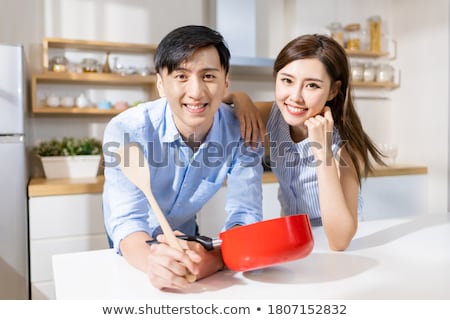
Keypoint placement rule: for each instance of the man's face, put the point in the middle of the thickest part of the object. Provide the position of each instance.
(195, 90)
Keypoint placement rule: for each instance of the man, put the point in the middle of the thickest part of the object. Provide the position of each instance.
(192, 144)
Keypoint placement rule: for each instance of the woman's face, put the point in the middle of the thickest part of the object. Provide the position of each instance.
(302, 88)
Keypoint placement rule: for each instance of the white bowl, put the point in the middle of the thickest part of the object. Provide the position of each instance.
(67, 101)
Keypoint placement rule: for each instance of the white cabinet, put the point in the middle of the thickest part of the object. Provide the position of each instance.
(61, 224)
(395, 196)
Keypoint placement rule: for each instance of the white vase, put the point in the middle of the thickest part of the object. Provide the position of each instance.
(82, 101)
(71, 166)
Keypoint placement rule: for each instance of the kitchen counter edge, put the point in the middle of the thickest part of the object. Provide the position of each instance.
(41, 187)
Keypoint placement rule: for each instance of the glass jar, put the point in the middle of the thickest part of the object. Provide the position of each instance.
(365, 40)
(89, 65)
(353, 36)
(374, 26)
(59, 64)
(337, 32)
(357, 71)
(385, 73)
(369, 72)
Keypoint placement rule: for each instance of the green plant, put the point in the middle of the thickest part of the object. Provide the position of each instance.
(69, 147)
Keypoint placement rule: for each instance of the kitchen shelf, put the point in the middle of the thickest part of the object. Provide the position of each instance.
(99, 78)
(141, 87)
(87, 79)
(375, 55)
(366, 54)
(76, 111)
(91, 45)
(375, 85)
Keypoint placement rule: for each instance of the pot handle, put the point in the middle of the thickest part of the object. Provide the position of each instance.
(207, 242)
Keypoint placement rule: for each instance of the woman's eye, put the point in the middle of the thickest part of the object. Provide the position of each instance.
(312, 85)
(286, 80)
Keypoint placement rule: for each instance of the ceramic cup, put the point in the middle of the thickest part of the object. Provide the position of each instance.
(120, 105)
(104, 104)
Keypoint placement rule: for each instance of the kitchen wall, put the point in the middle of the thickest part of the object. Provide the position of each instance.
(412, 116)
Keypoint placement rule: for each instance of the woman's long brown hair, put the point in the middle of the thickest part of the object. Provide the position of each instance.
(345, 117)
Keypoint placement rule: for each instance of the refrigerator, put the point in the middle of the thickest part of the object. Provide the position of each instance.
(14, 266)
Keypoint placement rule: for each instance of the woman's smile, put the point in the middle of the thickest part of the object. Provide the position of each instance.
(295, 111)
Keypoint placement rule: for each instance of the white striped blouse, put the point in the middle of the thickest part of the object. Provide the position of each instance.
(295, 167)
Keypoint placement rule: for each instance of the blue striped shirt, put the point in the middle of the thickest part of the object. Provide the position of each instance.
(295, 167)
(182, 181)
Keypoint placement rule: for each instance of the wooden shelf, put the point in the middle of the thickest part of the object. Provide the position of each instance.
(90, 79)
(98, 45)
(99, 78)
(366, 54)
(39, 187)
(398, 170)
(374, 55)
(93, 81)
(90, 45)
(391, 55)
(76, 111)
(375, 85)
(390, 171)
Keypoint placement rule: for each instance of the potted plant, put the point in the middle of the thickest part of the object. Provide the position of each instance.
(70, 157)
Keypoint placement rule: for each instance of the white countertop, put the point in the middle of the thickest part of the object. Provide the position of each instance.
(388, 259)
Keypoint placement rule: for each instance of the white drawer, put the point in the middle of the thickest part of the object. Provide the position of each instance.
(41, 252)
(68, 215)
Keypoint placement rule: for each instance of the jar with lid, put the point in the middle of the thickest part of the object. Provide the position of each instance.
(369, 72)
(89, 65)
(353, 36)
(385, 73)
(337, 32)
(374, 26)
(357, 71)
(365, 39)
(59, 64)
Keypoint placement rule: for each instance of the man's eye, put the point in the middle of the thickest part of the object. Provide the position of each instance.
(180, 76)
(209, 76)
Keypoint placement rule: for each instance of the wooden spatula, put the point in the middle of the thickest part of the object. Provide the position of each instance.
(137, 171)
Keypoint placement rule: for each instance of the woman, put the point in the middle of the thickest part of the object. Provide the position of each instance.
(318, 148)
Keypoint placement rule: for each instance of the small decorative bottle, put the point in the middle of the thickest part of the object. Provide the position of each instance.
(106, 68)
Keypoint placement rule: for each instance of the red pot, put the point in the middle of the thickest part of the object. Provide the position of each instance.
(261, 244)
(267, 243)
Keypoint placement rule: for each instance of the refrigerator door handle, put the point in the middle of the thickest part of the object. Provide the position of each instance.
(12, 138)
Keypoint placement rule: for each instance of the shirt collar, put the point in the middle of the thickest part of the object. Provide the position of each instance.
(215, 133)
(170, 132)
